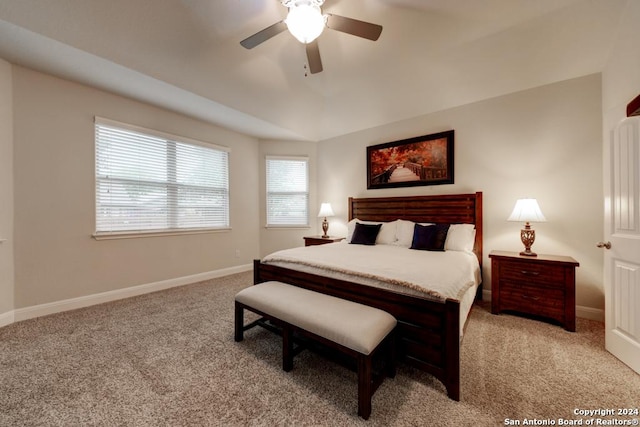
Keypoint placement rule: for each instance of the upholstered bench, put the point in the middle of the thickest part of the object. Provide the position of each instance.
(356, 330)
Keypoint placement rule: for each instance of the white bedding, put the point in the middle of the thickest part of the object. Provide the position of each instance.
(433, 275)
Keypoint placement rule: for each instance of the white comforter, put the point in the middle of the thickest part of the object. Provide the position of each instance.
(436, 275)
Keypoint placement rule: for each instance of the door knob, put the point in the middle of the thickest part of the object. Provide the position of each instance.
(606, 245)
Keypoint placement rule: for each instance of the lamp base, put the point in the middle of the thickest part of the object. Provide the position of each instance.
(525, 253)
(325, 228)
(528, 236)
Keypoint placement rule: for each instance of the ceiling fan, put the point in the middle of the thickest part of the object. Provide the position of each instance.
(306, 22)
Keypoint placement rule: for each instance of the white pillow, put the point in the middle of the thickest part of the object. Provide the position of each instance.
(386, 236)
(460, 237)
(404, 232)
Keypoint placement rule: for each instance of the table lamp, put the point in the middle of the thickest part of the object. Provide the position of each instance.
(325, 211)
(527, 210)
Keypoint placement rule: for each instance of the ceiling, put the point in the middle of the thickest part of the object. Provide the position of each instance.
(185, 55)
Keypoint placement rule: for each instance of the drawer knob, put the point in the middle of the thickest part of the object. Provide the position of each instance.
(606, 245)
(530, 297)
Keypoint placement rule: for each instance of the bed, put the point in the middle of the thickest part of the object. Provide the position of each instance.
(429, 326)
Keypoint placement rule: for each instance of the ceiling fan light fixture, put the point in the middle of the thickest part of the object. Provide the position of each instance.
(305, 20)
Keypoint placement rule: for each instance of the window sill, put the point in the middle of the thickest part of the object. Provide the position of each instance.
(140, 234)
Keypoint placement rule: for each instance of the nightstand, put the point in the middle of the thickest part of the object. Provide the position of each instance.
(319, 240)
(543, 286)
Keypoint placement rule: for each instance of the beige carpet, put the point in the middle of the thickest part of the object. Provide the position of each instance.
(169, 359)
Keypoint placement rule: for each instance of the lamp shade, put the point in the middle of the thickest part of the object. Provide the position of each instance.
(305, 21)
(527, 210)
(325, 210)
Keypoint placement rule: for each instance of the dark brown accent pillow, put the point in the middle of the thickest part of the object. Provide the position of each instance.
(365, 234)
(429, 237)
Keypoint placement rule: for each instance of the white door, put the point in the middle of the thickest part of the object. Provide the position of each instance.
(622, 231)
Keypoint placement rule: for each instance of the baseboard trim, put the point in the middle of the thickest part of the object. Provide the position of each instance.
(583, 312)
(7, 318)
(100, 298)
(590, 313)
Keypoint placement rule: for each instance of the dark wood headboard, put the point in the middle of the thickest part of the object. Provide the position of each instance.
(444, 209)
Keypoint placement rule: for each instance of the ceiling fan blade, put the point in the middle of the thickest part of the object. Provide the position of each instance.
(354, 27)
(313, 56)
(264, 35)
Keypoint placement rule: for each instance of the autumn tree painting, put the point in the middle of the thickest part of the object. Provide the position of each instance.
(425, 160)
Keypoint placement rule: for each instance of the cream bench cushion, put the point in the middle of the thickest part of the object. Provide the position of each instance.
(352, 325)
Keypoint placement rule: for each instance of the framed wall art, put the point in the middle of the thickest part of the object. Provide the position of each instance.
(423, 160)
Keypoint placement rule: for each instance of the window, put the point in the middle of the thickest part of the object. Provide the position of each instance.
(287, 191)
(149, 182)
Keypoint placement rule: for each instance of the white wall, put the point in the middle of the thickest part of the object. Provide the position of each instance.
(543, 143)
(274, 239)
(6, 193)
(55, 256)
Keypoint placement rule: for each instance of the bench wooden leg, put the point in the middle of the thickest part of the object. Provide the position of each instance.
(391, 356)
(287, 349)
(364, 386)
(239, 323)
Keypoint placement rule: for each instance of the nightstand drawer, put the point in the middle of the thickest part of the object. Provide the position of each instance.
(533, 304)
(518, 295)
(527, 272)
(533, 292)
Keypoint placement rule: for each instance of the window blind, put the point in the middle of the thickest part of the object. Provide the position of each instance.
(147, 181)
(287, 191)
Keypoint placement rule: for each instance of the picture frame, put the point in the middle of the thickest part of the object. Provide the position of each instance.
(422, 160)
